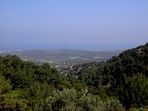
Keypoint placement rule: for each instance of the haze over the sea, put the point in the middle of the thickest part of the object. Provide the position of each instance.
(73, 24)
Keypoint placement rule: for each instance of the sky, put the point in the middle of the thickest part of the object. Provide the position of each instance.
(73, 24)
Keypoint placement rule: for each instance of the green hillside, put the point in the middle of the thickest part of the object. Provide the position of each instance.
(118, 84)
(117, 74)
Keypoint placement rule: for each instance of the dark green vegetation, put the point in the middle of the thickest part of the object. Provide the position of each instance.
(26, 86)
(118, 84)
(124, 76)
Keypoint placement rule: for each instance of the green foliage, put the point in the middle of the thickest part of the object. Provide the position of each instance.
(71, 100)
(139, 109)
(10, 100)
(27, 84)
(89, 87)
(119, 76)
(113, 105)
(4, 85)
(134, 91)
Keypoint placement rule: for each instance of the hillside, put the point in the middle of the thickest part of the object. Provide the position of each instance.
(118, 84)
(25, 86)
(113, 73)
(129, 62)
(131, 58)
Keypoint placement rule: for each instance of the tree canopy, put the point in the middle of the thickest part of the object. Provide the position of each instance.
(115, 85)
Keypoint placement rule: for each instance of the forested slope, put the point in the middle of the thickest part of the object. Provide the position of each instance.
(118, 84)
(25, 86)
(125, 76)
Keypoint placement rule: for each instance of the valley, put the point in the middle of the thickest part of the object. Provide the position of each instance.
(62, 58)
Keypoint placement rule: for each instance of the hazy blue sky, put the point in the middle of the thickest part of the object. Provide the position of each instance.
(76, 24)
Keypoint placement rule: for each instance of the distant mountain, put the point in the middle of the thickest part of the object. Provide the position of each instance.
(63, 57)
